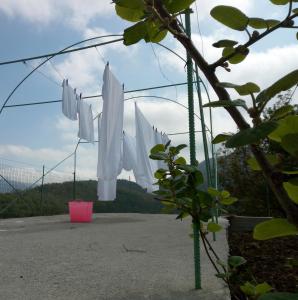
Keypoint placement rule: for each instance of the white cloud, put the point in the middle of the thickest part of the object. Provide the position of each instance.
(74, 13)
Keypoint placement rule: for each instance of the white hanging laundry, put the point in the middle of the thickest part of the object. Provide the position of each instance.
(86, 127)
(129, 153)
(145, 140)
(69, 101)
(159, 140)
(110, 136)
(165, 139)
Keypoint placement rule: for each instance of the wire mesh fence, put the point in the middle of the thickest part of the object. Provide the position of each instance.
(32, 190)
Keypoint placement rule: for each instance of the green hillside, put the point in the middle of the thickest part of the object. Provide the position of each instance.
(131, 198)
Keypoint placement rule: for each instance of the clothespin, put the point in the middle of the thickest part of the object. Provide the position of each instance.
(66, 81)
(80, 96)
(123, 86)
(108, 63)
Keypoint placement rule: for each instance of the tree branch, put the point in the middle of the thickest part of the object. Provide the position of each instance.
(252, 41)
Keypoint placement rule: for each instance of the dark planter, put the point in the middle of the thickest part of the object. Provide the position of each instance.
(245, 223)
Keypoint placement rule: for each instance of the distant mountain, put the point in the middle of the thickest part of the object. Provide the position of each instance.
(130, 198)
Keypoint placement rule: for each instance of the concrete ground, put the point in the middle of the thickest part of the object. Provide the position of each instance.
(117, 256)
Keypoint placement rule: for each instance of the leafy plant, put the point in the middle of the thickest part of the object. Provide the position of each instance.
(155, 18)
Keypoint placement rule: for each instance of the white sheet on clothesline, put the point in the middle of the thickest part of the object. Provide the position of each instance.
(69, 101)
(86, 127)
(110, 136)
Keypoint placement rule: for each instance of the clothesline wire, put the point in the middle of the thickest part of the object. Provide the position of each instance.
(56, 70)
(161, 70)
(100, 55)
(28, 65)
(57, 53)
(96, 96)
(47, 59)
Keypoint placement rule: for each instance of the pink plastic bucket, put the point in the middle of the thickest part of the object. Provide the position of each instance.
(80, 211)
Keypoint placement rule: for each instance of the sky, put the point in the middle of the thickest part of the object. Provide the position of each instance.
(33, 136)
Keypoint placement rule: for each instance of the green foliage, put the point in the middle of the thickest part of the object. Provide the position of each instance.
(180, 187)
(291, 188)
(237, 54)
(251, 135)
(255, 290)
(288, 125)
(224, 43)
(175, 6)
(132, 15)
(221, 138)
(244, 89)
(253, 164)
(236, 261)
(283, 84)
(259, 23)
(274, 228)
(230, 17)
(213, 227)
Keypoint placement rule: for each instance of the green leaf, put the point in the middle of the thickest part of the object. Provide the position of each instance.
(157, 148)
(226, 103)
(158, 174)
(237, 56)
(132, 4)
(174, 6)
(182, 215)
(283, 84)
(244, 89)
(236, 261)
(221, 138)
(134, 33)
(257, 23)
(288, 125)
(248, 289)
(290, 143)
(213, 192)
(251, 135)
(213, 227)
(291, 172)
(253, 164)
(230, 16)
(295, 10)
(187, 168)
(280, 2)
(279, 296)
(263, 288)
(282, 112)
(180, 147)
(154, 32)
(158, 156)
(224, 43)
(228, 201)
(291, 188)
(274, 228)
(180, 161)
(272, 22)
(129, 14)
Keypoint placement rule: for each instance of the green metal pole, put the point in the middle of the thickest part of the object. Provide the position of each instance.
(192, 147)
(205, 144)
(74, 175)
(41, 190)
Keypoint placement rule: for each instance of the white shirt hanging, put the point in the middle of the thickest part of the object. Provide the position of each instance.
(145, 140)
(159, 140)
(110, 136)
(86, 127)
(69, 101)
